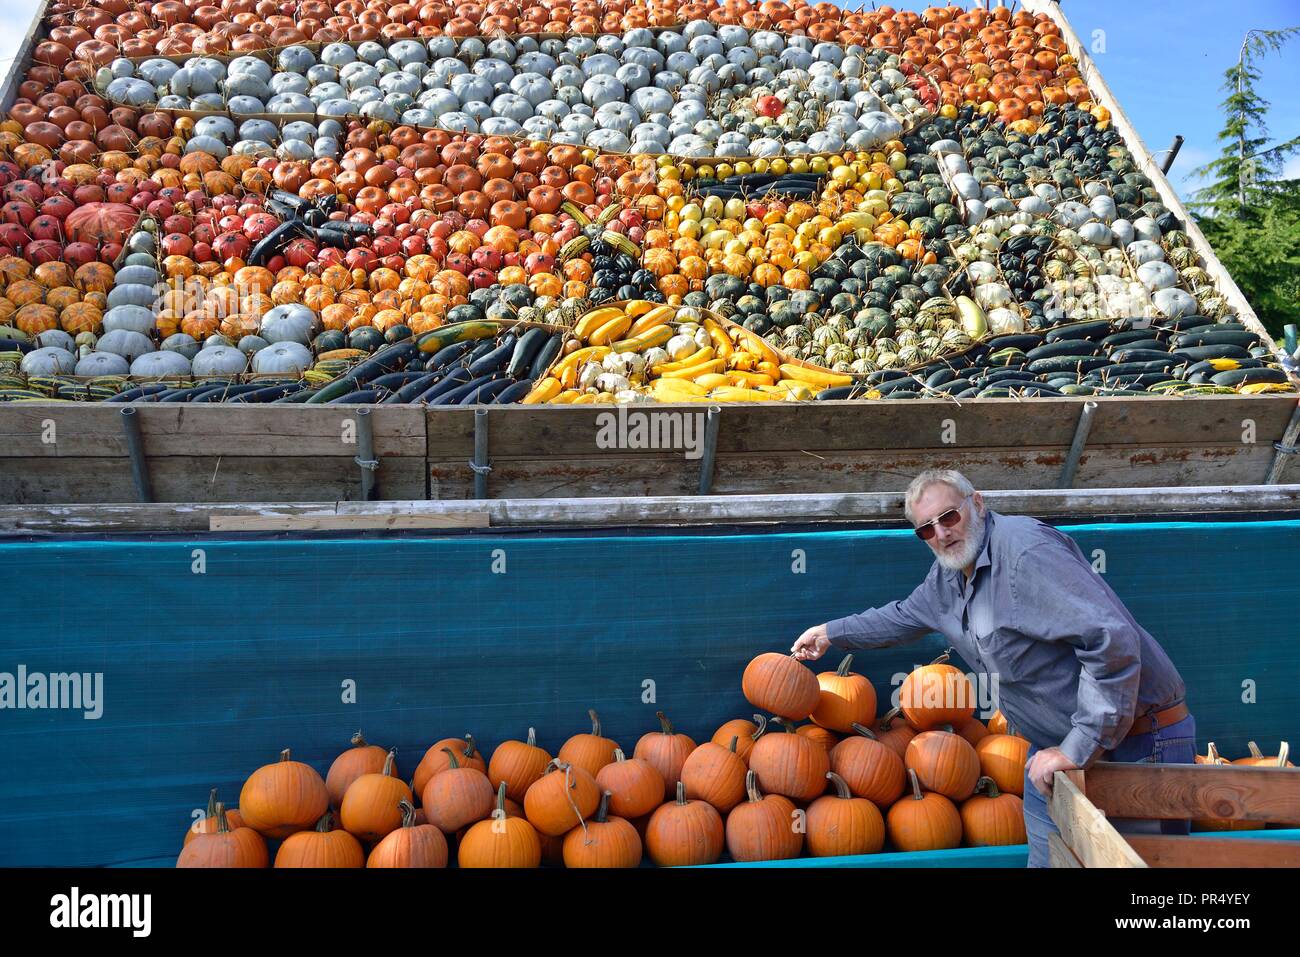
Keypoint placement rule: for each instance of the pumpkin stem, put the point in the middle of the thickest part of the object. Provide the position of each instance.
(532, 737)
(943, 658)
(604, 806)
(1212, 753)
(1255, 752)
(864, 731)
(761, 721)
(987, 786)
(841, 786)
(388, 763)
(500, 812)
(451, 756)
(751, 786)
(887, 722)
(595, 721)
(470, 746)
(408, 812)
(1282, 753)
(843, 669)
(358, 741)
(212, 803)
(219, 812)
(681, 793)
(732, 748)
(947, 727)
(325, 824)
(664, 724)
(916, 784)
(284, 755)
(619, 756)
(786, 724)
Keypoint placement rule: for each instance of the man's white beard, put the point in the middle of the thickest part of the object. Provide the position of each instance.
(970, 547)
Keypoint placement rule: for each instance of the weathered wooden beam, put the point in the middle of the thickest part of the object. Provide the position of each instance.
(335, 522)
(665, 511)
(1177, 791)
(1164, 850)
(1058, 855)
(1084, 828)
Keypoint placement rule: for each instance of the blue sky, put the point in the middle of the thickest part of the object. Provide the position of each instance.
(1164, 59)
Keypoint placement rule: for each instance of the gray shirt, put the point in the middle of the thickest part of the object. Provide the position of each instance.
(1074, 668)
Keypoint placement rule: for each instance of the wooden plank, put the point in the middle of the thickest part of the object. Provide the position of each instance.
(1165, 850)
(1058, 855)
(34, 430)
(573, 431)
(1147, 164)
(812, 472)
(856, 508)
(1084, 828)
(354, 523)
(1178, 791)
(16, 69)
(211, 478)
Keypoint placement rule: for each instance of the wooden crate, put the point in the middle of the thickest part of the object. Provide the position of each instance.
(1083, 801)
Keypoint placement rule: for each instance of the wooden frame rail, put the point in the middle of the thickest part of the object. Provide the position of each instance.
(1084, 802)
(74, 454)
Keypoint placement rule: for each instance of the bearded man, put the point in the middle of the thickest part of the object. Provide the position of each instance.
(1077, 675)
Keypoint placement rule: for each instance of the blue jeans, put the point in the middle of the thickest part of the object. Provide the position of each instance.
(1175, 744)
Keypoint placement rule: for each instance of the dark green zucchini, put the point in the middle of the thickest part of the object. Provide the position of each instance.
(139, 392)
(298, 398)
(1021, 341)
(359, 397)
(392, 380)
(496, 359)
(1127, 338)
(484, 394)
(545, 356)
(222, 392)
(513, 392)
(1092, 330)
(526, 349)
(1216, 337)
(454, 379)
(1183, 323)
(998, 375)
(1066, 364)
(1078, 389)
(1240, 377)
(1064, 347)
(453, 396)
(939, 377)
(954, 387)
(408, 392)
(1120, 356)
(1227, 351)
(270, 393)
(444, 357)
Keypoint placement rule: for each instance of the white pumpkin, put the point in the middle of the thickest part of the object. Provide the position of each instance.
(290, 322)
(161, 363)
(102, 363)
(285, 356)
(125, 343)
(48, 361)
(219, 360)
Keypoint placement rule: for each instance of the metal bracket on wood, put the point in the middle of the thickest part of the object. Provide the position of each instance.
(1289, 445)
(365, 457)
(480, 464)
(135, 448)
(709, 455)
(1078, 445)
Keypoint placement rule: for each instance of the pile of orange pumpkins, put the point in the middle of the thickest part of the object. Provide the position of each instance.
(926, 776)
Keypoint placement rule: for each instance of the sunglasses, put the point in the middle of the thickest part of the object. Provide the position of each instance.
(948, 519)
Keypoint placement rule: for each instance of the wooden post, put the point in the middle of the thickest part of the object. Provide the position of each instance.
(1284, 449)
(709, 457)
(1084, 829)
(1080, 442)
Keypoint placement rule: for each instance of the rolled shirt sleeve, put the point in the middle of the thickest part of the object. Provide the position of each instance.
(897, 623)
(1059, 597)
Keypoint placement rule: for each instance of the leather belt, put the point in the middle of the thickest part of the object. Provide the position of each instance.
(1159, 719)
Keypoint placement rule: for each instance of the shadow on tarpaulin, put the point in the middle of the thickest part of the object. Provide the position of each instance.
(218, 652)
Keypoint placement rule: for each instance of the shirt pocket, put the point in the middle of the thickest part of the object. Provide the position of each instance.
(1012, 659)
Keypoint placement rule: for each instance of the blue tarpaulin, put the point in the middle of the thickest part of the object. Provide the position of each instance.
(216, 653)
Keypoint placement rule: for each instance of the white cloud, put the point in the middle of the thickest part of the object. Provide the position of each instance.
(15, 17)
(1292, 169)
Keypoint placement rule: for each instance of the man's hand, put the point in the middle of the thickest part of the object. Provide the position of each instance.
(812, 644)
(1045, 764)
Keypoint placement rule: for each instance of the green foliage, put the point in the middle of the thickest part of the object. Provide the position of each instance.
(1248, 213)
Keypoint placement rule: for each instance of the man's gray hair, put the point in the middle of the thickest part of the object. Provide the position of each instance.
(949, 477)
